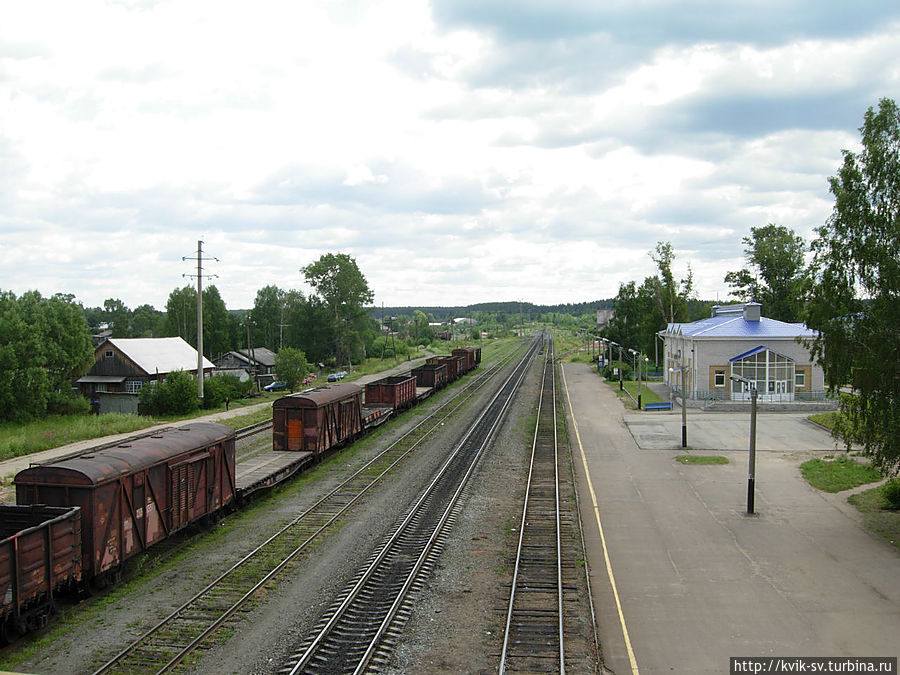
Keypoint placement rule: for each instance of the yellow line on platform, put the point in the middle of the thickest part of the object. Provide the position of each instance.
(609, 570)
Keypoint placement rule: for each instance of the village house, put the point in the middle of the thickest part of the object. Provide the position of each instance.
(122, 366)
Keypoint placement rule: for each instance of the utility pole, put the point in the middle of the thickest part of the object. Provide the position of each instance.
(199, 277)
(252, 367)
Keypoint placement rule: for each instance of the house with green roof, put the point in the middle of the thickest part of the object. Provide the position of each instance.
(702, 356)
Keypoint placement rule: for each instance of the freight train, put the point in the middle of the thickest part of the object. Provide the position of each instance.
(80, 517)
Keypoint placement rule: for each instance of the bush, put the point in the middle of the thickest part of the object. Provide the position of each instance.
(176, 395)
(891, 492)
(609, 373)
(59, 403)
(216, 389)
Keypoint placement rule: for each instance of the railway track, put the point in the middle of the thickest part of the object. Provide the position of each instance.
(359, 630)
(534, 638)
(164, 646)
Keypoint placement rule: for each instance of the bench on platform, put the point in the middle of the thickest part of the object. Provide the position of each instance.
(665, 405)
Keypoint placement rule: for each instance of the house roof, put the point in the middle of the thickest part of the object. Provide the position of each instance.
(260, 354)
(158, 355)
(729, 325)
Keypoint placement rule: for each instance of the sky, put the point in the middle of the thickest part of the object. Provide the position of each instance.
(461, 151)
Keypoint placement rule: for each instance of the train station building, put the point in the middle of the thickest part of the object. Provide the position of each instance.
(701, 357)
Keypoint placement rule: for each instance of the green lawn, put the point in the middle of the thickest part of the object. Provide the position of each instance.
(841, 473)
(877, 516)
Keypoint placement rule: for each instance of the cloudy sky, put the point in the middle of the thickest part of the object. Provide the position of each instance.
(461, 150)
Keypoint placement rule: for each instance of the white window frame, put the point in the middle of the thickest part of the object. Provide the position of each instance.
(716, 375)
(133, 386)
(799, 379)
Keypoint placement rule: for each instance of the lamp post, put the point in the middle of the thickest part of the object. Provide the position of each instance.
(640, 381)
(621, 386)
(681, 369)
(751, 473)
(636, 359)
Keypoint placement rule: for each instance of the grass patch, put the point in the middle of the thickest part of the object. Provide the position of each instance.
(878, 517)
(647, 394)
(839, 474)
(701, 459)
(827, 420)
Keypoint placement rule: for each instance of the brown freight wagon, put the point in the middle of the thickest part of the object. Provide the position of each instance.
(468, 355)
(318, 419)
(433, 375)
(453, 363)
(40, 554)
(138, 491)
(396, 391)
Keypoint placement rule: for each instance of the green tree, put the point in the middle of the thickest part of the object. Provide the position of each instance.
(671, 295)
(775, 274)
(854, 299)
(118, 317)
(220, 328)
(267, 316)
(291, 366)
(181, 314)
(344, 291)
(45, 345)
(146, 321)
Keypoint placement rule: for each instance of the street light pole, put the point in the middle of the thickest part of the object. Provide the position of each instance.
(681, 369)
(621, 386)
(751, 472)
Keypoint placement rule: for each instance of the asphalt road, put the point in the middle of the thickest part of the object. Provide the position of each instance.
(691, 580)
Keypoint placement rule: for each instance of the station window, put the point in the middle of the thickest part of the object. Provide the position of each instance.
(133, 386)
(720, 378)
(800, 378)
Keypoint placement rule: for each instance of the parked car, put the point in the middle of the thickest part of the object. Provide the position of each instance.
(335, 377)
(276, 386)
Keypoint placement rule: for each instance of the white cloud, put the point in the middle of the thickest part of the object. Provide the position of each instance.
(459, 152)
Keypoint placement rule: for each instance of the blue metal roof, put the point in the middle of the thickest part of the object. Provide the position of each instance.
(737, 326)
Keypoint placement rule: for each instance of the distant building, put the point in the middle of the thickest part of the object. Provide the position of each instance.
(604, 316)
(737, 340)
(464, 320)
(258, 359)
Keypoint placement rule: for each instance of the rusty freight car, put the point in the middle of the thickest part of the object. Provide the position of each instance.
(396, 391)
(432, 375)
(136, 492)
(40, 554)
(468, 356)
(318, 419)
(453, 364)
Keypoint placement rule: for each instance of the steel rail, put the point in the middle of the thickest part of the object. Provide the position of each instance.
(422, 546)
(435, 417)
(530, 626)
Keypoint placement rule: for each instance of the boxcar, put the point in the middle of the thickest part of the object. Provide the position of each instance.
(318, 419)
(40, 553)
(397, 391)
(453, 364)
(468, 356)
(138, 491)
(433, 375)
